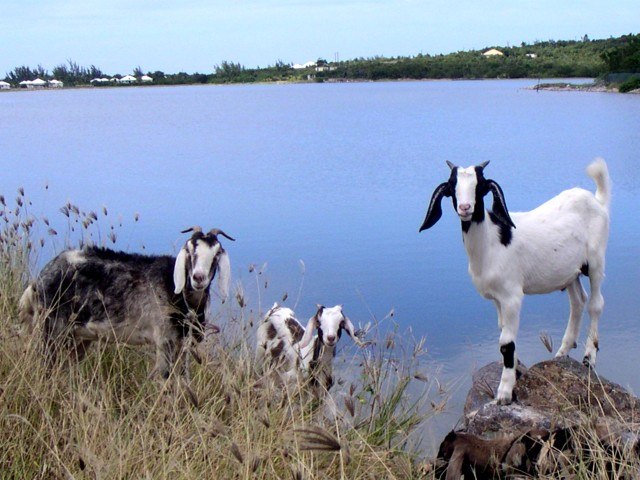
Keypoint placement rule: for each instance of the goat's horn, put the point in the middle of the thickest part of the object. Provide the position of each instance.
(451, 165)
(195, 228)
(217, 231)
(484, 164)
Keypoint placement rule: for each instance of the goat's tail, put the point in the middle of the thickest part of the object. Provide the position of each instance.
(600, 173)
(27, 307)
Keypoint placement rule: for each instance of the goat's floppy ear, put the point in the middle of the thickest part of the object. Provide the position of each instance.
(350, 329)
(180, 271)
(224, 273)
(309, 330)
(499, 207)
(435, 210)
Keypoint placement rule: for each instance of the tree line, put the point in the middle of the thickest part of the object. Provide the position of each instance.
(541, 59)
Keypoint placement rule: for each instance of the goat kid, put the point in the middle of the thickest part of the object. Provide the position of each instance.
(551, 247)
(100, 294)
(295, 352)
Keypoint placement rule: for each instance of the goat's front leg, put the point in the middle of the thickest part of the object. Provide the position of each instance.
(595, 307)
(166, 350)
(509, 311)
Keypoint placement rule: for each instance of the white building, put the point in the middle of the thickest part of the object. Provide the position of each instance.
(297, 66)
(55, 83)
(4, 85)
(38, 83)
(128, 79)
(146, 79)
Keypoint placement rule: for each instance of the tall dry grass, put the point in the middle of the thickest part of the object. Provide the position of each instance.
(103, 418)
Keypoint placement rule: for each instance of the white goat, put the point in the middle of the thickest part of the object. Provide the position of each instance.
(295, 352)
(551, 246)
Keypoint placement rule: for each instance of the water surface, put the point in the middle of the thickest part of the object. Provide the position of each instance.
(339, 176)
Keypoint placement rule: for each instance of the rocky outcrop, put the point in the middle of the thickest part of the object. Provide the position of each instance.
(561, 409)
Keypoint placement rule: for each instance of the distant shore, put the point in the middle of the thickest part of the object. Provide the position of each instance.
(597, 87)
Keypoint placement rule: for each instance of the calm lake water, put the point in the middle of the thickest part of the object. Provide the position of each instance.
(339, 176)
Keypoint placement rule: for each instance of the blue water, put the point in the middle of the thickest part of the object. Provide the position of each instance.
(339, 176)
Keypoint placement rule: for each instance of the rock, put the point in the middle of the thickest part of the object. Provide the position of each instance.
(556, 402)
(485, 385)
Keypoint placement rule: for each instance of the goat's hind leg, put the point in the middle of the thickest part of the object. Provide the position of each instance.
(595, 307)
(577, 300)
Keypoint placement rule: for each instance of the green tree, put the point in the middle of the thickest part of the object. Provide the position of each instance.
(228, 71)
(625, 58)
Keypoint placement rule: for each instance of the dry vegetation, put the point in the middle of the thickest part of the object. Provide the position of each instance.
(103, 418)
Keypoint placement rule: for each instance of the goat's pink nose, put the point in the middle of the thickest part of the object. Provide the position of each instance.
(198, 277)
(464, 207)
(331, 338)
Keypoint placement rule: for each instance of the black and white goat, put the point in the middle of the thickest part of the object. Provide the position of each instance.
(539, 251)
(298, 353)
(100, 294)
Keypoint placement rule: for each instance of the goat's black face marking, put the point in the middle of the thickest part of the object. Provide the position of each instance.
(209, 238)
(508, 354)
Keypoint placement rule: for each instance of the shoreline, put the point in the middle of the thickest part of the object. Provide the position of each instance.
(285, 82)
(560, 86)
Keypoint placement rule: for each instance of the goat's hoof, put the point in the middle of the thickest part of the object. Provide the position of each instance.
(588, 363)
(505, 397)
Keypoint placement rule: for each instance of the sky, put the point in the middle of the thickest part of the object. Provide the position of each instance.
(196, 35)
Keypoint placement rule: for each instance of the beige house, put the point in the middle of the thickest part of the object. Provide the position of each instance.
(493, 53)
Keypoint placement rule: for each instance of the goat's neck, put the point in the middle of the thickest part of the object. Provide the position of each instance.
(322, 361)
(479, 238)
(196, 300)
(316, 353)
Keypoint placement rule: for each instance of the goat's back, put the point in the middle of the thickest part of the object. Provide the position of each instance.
(553, 242)
(277, 335)
(98, 284)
